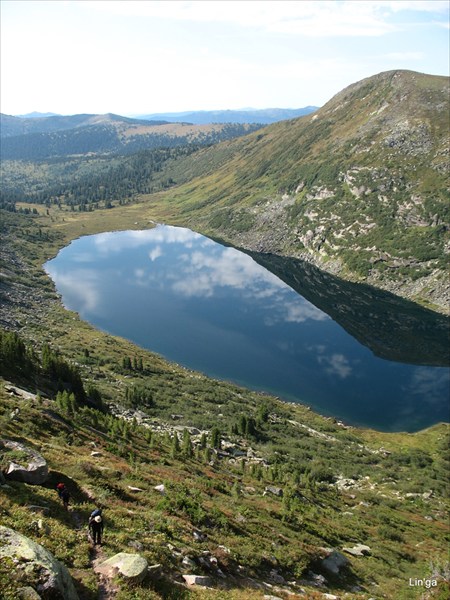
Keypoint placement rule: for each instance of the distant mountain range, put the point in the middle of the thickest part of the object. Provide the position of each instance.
(58, 136)
(15, 126)
(264, 116)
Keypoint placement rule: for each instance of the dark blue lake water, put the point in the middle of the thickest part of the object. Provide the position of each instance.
(214, 309)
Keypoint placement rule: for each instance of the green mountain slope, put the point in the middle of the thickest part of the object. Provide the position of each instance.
(360, 187)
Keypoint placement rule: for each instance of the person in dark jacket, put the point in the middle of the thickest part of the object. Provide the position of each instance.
(64, 494)
(96, 529)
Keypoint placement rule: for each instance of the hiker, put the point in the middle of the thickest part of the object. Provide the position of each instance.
(64, 494)
(96, 526)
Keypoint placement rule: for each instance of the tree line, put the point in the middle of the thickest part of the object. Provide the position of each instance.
(130, 176)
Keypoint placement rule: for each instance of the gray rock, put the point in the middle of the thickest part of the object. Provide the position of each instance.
(276, 577)
(27, 593)
(314, 579)
(188, 563)
(36, 470)
(131, 566)
(136, 545)
(334, 562)
(199, 536)
(52, 577)
(160, 488)
(202, 580)
(358, 550)
(43, 510)
(154, 571)
(271, 489)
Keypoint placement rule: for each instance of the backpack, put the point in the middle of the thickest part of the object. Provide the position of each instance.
(96, 513)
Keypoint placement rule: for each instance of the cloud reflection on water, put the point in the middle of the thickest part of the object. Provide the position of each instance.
(80, 289)
(202, 267)
(336, 364)
(429, 384)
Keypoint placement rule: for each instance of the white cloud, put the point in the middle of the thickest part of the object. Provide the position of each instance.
(311, 18)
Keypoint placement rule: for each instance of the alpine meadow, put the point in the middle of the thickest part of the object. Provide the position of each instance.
(209, 489)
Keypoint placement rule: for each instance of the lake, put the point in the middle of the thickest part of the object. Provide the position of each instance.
(363, 356)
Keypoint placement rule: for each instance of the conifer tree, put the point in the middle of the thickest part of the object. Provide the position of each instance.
(175, 446)
(187, 444)
(215, 437)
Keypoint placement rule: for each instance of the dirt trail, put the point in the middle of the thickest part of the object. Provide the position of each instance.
(106, 588)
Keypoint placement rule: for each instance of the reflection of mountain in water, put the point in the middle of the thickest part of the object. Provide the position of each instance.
(393, 328)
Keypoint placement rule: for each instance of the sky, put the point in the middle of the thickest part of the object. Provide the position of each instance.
(142, 57)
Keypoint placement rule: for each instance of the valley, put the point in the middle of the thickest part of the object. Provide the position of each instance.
(260, 498)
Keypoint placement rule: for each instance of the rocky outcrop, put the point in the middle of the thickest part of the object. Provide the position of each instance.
(43, 573)
(25, 464)
(132, 567)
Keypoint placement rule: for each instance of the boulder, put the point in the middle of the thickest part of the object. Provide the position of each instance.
(47, 576)
(334, 562)
(33, 467)
(131, 566)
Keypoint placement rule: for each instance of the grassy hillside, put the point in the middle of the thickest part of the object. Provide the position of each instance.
(340, 486)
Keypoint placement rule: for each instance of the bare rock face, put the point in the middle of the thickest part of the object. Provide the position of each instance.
(130, 566)
(25, 464)
(46, 576)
